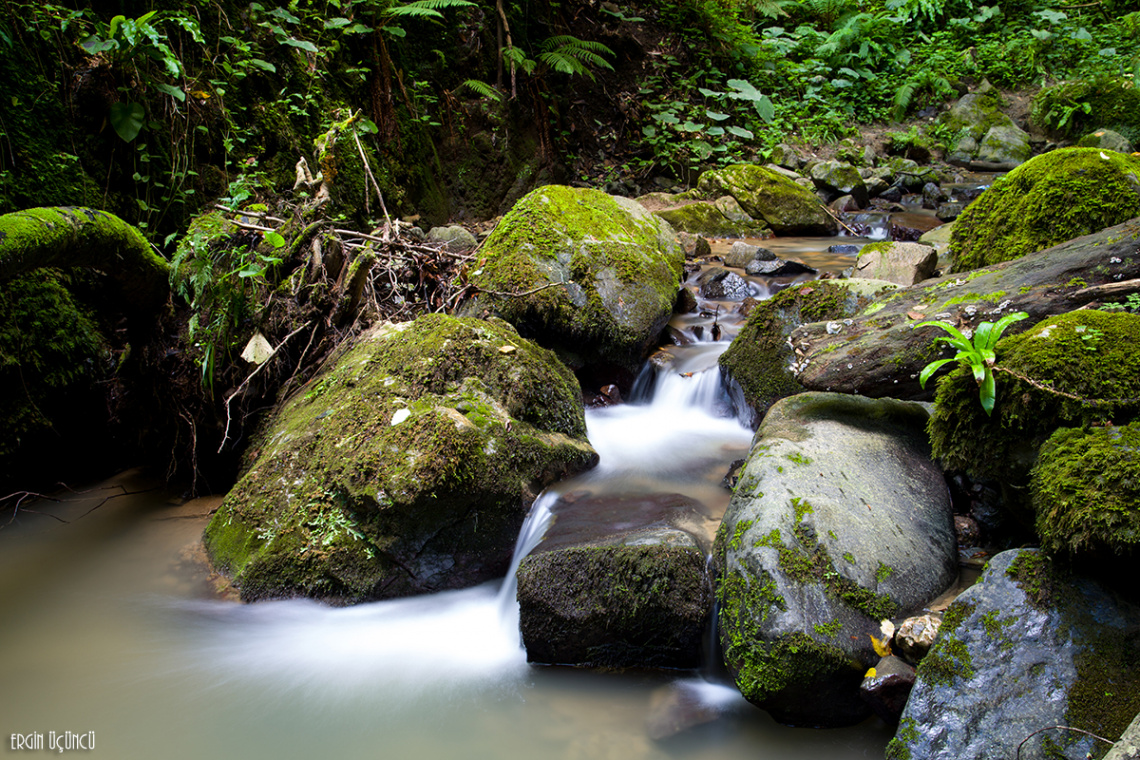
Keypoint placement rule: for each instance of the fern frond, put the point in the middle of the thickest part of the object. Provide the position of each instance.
(480, 88)
(570, 55)
(901, 104)
(427, 8)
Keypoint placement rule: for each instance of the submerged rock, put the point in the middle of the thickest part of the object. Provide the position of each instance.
(717, 283)
(1055, 197)
(1024, 649)
(742, 254)
(405, 467)
(839, 520)
(590, 275)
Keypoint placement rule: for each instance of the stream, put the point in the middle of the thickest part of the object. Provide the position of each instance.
(110, 626)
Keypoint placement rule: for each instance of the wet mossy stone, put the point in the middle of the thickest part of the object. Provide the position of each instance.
(709, 220)
(1052, 198)
(839, 520)
(590, 275)
(634, 599)
(406, 467)
(756, 367)
(788, 208)
(1086, 492)
(1025, 648)
(836, 178)
(1088, 353)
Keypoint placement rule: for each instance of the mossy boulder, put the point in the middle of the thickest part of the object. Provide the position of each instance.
(839, 520)
(1106, 139)
(590, 275)
(985, 138)
(788, 208)
(634, 599)
(1088, 354)
(1025, 648)
(836, 178)
(1054, 197)
(708, 219)
(1086, 492)
(757, 366)
(406, 467)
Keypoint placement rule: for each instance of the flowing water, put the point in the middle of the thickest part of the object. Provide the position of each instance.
(109, 627)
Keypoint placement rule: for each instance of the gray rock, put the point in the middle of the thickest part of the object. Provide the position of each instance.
(932, 195)
(1128, 748)
(1014, 652)
(901, 263)
(1107, 139)
(785, 156)
(1005, 146)
(836, 178)
(838, 521)
(742, 253)
(948, 212)
(776, 268)
(717, 283)
(454, 238)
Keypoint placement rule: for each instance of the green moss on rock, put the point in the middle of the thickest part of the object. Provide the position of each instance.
(1086, 491)
(1048, 200)
(788, 208)
(406, 467)
(1090, 354)
(583, 272)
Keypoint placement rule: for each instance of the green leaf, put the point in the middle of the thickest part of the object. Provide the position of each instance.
(740, 132)
(275, 239)
(302, 44)
(263, 65)
(716, 115)
(174, 92)
(127, 119)
(649, 131)
(337, 23)
(714, 131)
(766, 109)
(689, 126)
(284, 15)
(930, 369)
(744, 90)
(988, 392)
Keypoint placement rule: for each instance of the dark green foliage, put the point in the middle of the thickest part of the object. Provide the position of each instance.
(1072, 109)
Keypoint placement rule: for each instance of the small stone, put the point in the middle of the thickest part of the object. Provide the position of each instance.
(507, 349)
(916, 635)
(887, 686)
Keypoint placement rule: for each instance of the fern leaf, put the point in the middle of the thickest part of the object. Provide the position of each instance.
(427, 8)
(480, 88)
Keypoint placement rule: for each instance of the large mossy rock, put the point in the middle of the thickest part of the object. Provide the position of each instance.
(1055, 197)
(1025, 649)
(786, 207)
(590, 275)
(839, 520)
(708, 219)
(407, 467)
(880, 353)
(1089, 354)
(836, 178)
(757, 366)
(1086, 492)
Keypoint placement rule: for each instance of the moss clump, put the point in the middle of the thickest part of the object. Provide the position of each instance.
(1090, 354)
(583, 272)
(898, 748)
(407, 467)
(759, 357)
(786, 207)
(1086, 491)
(702, 218)
(1048, 200)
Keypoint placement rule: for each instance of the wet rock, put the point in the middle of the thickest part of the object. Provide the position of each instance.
(876, 186)
(708, 219)
(903, 234)
(948, 212)
(839, 520)
(686, 302)
(932, 195)
(887, 688)
(847, 248)
(836, 178)
(1025, 648)
(600, 274)
(901, 263)
(746, 306)
(969, 534)
(786, 156)
(742, 253)
(717, 283)
(892, 194)
(682, 705)
(638, 598)
(844, 204)
(777, 268)
(406, 468)
(733, 474)
(916, 635)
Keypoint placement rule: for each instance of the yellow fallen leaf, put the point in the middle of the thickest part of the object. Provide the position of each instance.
(871, 673)
(882, 646)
